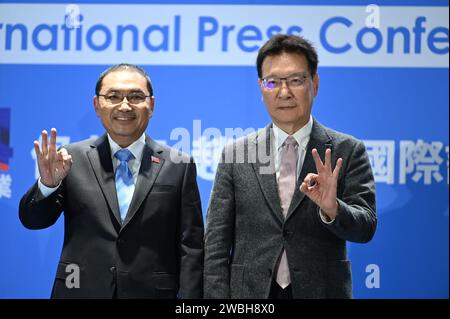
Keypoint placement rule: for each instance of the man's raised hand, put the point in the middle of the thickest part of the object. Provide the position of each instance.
(321, 188)
(53, 165)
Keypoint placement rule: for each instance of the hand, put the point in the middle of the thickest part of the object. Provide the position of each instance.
(53, 165)
(321, 188)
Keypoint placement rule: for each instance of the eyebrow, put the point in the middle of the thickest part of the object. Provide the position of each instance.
(111, 90)
(288, 76)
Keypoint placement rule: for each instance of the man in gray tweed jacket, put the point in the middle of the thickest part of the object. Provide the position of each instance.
(279, 217)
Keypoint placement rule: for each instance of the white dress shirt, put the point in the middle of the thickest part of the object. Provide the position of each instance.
(302, 138)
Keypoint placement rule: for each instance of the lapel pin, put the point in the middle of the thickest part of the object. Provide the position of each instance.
(156, 160)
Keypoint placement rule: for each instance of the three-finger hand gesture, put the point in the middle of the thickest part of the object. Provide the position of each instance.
(53, 165)
(321, 188)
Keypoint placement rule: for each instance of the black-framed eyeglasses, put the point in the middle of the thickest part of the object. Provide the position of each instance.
(292, 81)
(132, 97)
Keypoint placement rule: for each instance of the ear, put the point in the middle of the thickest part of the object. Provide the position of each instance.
(261, 86)
(96, 105)
(316, 84)
(152, 106)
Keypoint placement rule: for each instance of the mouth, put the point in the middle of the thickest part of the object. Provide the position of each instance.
(286, 107)
(124, 118)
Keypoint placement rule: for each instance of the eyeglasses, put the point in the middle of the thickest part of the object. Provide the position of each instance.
(132, 98)
(292, 81)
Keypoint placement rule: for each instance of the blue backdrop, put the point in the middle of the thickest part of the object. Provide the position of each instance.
(393, 94)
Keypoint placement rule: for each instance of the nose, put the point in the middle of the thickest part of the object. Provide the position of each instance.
(124, 105)
(284, 91)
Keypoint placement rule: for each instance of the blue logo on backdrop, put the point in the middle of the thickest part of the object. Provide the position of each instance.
(6, 153)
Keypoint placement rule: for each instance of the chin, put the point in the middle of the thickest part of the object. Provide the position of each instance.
(123, 133)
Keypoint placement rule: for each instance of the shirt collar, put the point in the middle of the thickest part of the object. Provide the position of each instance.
(301, 136)
(136, 148)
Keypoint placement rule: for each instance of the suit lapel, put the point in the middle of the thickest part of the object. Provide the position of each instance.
(151, 164)
(265, 172)
(320, 140)
(100, 159)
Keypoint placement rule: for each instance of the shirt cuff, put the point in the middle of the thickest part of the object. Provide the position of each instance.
(47, 191)
(325, 218)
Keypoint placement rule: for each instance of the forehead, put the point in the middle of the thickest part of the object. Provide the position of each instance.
(284, 64)
(124, 80)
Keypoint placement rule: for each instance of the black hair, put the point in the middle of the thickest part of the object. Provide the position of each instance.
(123, 67)
(283, 43)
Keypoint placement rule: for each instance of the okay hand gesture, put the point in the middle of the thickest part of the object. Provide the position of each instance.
(321, 188)
(53, 165)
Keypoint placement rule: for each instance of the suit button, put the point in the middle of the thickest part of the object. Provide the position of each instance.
(120, 241)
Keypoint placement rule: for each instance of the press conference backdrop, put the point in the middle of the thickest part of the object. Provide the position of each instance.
(384, 73)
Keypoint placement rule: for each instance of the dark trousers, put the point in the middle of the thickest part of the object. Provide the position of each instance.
(276, 292)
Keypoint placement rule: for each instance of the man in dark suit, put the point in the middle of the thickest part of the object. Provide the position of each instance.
(279, 218)
(133, 224)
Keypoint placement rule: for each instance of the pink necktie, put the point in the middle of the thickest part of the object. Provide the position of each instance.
(286, 187)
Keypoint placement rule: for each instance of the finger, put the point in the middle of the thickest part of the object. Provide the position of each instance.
(63, 152)
(60, 155)
(64, 157)
(304, 188)
(67, 162)
(328, 159)
(317, 160)
(52, 147)
(44, 142)
(310, 179)
(337, 168)
(37, 149)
